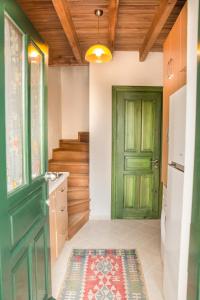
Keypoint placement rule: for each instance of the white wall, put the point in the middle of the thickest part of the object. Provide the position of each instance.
(125, 69)
(190, 143)
(68, 103)
(75, 101)
(54, 108)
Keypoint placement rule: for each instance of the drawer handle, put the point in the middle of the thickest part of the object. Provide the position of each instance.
(62, 190)
(170, 73)
(62, 209)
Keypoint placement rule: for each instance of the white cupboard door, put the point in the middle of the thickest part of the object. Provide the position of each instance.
(177, 119)
(173, 231)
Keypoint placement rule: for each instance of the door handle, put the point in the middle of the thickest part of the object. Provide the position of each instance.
(50, 176)
(155, 163)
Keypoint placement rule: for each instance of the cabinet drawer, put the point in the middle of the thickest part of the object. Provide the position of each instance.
(61, 196)
(58, 218)
(62, 220)
(61, 224)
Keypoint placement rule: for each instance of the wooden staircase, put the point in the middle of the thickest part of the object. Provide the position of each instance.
(73, 156)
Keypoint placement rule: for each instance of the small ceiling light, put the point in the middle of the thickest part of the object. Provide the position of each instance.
(33, 54)
(98, 53)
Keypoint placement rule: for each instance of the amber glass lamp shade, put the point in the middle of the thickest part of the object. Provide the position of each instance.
(33, 54)
(98, 54)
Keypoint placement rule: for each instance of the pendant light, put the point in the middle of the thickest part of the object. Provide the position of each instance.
(98, 53)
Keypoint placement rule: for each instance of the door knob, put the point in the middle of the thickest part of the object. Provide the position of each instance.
(155, 163)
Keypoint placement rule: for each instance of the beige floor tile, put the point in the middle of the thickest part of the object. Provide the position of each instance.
(142, 235)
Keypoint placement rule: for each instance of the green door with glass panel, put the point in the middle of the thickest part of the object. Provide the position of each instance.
(24, 250)
(136, 152)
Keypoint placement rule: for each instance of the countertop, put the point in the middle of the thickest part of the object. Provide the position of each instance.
(54, 184)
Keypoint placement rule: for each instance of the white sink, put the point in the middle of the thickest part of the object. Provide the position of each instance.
(55, 183)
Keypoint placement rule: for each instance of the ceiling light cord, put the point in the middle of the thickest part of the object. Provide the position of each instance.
(98, 32)
(98, 13)
(98, 53)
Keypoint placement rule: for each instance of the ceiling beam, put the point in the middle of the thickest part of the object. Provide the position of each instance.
(160, 18)
(65, 61)
(113, 14)
(63, 12)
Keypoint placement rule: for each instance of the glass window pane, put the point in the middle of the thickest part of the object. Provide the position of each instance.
(14, 90)
(35, 60)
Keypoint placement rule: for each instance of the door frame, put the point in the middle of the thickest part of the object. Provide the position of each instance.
(116, 89)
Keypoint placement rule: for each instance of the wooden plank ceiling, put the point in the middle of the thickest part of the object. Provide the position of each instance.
(69, 27)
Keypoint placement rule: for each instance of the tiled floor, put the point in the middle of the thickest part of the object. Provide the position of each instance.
(143, 235)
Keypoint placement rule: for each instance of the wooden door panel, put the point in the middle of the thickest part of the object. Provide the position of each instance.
(138, 191)
(132, 126)
(25, 215)
(20, 278)
(137, 163)
(40, 265)
(147, 134)
(130, 191)
(146, 191)
(136, 144)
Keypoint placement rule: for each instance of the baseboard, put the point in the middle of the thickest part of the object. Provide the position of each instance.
(99, 218)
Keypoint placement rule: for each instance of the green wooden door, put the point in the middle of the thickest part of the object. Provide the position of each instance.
(24, 250)
(136, 152)
(194, 250)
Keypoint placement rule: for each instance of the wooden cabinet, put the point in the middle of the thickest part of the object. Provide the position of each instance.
(183, 40)
(58, 220)
(175, 61)
(61, 216)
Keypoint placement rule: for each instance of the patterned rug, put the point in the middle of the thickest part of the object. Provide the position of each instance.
(101, 274)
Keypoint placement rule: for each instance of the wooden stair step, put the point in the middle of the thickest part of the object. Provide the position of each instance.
(74, 146)
(76, 222)
(75, 193)
(73, 157)
(79, 175)
(73, 220)
(68, 166)
(77, 206)
(76, 202)
(67, 155)
(70, 140)
(83, 136)
(78, 180)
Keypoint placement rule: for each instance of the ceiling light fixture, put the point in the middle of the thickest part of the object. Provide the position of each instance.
(98, 53)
